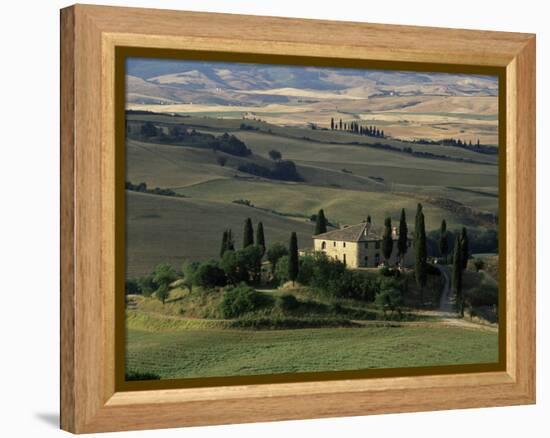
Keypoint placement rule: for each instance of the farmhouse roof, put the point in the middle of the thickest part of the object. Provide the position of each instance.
(353, 233)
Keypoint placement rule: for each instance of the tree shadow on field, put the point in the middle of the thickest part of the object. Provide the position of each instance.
(50, 418)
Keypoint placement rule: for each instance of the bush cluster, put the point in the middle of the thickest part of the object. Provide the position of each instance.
(240, 300)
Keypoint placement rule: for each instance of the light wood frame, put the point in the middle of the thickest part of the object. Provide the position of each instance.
(89, 36)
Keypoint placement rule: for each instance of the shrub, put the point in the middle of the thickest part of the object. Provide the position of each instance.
(288, 302)
(209, 275)
(389, 298)
(140, 375)
(239, 300)
(486, 294)
(306, 270)
(281, 270)
(146, 285)
(132, 286)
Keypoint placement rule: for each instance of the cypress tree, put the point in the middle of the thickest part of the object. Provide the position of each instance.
(230, 242)
(224, 244)
(369, 219)
(443, 240)
(260, 238)
(248, 233)
(457, 275)
(340, 124)
(293, 261)
(332, 123)
(416, 221)
(387, 240)
(420, 271)
(321, 223)
(402, 241)
(465, 248)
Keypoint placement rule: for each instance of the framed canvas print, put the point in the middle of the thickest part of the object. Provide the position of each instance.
(269, 218)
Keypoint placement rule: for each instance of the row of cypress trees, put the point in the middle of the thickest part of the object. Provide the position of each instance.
(228, 243)
(371, 131)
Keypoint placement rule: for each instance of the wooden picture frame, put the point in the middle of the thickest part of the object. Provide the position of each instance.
(91, 399)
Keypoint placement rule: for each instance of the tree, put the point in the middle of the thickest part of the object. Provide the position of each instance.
(260, 238)
(420, 266)
(340, 124)
(402, 241)
(275, 155)
(387, 240)
(162, 293)
(332, 123)
(457, 275)
(389, 297)
(280, 270)
(242, 265)
(293, 261)
(224, 243)
(189, 269)
(321, 223)
(164, 274)
(416, 221)
(465, 247)
(248, 233)
(369, 219)
(209, 275)
(274, 253)
(230, 241)
(221, 160)
(444, 240)
(232, 267)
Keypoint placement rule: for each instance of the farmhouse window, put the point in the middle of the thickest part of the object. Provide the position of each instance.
(377, 245)
(323, 245)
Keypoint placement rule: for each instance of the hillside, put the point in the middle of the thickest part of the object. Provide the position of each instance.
(163, 229)
(349, 181)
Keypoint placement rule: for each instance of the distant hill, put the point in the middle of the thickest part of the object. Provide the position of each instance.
(221, 78)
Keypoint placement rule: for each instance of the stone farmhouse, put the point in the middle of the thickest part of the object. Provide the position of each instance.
(360, 246)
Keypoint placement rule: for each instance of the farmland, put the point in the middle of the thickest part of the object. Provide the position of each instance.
(349, 181)
(214, 352)
(231, 169)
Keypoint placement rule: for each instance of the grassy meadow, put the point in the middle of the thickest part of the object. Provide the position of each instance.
(208, 352)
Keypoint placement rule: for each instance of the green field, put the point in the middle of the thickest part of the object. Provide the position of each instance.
(204, 351)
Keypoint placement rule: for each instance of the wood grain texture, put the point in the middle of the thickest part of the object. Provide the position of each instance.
(89, 36)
